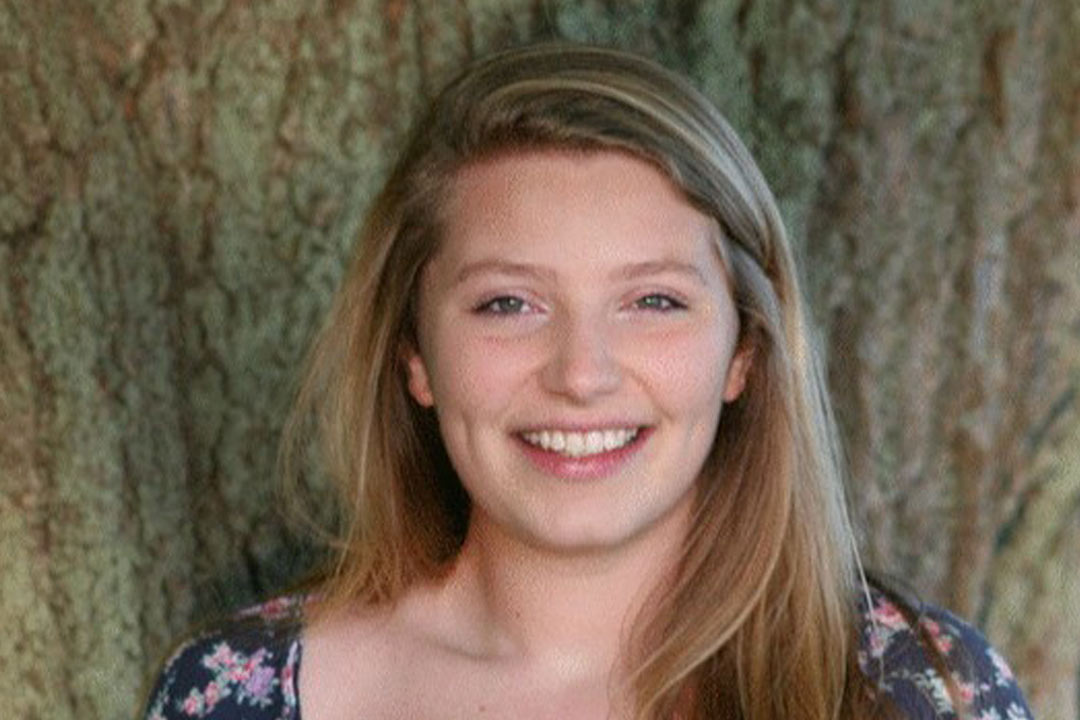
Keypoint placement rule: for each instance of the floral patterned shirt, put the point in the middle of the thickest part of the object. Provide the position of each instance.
(248, 669)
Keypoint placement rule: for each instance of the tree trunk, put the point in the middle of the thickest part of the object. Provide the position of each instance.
(181, 181)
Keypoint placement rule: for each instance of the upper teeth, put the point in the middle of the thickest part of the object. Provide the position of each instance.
(578, 444)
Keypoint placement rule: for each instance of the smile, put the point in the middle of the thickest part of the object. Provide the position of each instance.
(581, 444)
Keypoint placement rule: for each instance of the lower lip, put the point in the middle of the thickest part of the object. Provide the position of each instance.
(588, 467)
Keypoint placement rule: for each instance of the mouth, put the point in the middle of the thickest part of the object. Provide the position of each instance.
(582, 444)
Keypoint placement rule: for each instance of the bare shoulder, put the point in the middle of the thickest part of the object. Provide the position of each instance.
(350, 660)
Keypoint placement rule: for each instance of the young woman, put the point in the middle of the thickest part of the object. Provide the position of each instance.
(586, 462)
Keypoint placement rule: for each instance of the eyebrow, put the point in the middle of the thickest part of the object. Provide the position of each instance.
(502, 267)
(631, 271)
(634, 271)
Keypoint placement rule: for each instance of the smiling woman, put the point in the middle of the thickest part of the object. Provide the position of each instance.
(582, 444)
(606, 327)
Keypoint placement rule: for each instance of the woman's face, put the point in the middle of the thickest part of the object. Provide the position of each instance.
(577, 340)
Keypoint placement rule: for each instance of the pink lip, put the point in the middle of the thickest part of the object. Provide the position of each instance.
(591, 467)
(581, 426)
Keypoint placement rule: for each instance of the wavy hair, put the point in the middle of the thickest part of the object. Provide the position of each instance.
(758, 620)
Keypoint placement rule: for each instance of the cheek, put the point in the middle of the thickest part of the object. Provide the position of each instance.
(476, 374)
(687, 370)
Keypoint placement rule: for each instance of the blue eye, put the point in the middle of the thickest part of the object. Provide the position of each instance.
(503, 305)
(660, 303)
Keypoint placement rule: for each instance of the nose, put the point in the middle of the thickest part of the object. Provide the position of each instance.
(582, 364)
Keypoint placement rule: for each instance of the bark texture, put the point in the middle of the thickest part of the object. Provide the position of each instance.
(180, 182)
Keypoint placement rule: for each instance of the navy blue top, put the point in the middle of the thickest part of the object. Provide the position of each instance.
(247, 670)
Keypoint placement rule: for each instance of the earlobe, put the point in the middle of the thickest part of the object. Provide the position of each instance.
(738, 371)
(418, 382)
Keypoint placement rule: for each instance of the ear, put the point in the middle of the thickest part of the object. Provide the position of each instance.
(419, 383)
(738, 371)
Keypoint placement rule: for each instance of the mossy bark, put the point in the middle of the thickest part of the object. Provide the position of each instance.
(181, 182)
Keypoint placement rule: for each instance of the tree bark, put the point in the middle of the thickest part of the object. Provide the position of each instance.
(181, 181)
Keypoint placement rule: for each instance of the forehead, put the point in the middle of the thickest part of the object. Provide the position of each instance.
(564, 207)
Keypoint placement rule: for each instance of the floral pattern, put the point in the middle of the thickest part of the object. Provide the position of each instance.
(892, 654)
(248, 669)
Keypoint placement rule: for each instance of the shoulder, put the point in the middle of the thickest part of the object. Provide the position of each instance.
(922, 656)
(359, 661)
(245, 667)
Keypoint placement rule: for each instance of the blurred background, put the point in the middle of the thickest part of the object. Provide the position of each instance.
(180, 181)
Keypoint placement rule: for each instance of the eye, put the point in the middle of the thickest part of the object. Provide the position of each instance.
(503, 305)
(659, 302)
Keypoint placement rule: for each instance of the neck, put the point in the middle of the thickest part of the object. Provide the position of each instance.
(565, 614)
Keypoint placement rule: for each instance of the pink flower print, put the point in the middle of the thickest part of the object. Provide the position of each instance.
(288, 686)
(244, 672)
(286, 675)
(260, 683)
(271, 610)
(193, 703)
(211, 695)
(941, 640)
(222, 657)
(888, 615)
(878, 643)
(276, 609)
(967, 692)
(240, 672)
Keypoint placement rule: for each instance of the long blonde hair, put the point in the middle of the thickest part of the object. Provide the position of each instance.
(758, 621)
